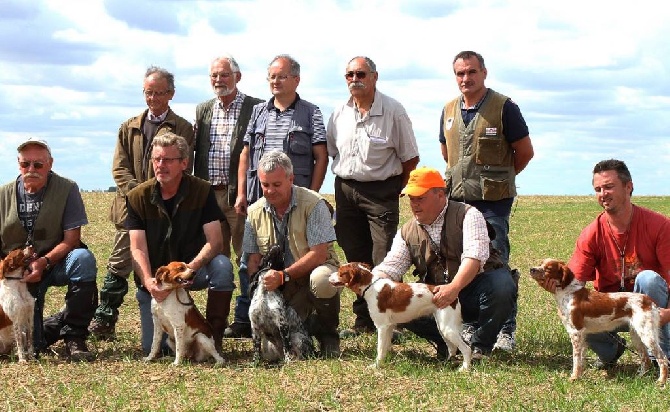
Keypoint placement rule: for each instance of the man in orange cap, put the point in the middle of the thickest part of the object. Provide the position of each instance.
(449, 245)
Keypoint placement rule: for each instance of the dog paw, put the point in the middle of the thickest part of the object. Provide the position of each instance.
(148, 358)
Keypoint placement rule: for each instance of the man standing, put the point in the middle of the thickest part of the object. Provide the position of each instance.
(373, 147)
(300, 222)
(626, 248)
(485, 142)
(132, 166)
(46, 210)
(448, 244)
(288, 124)
(175, 217)
(220, 125)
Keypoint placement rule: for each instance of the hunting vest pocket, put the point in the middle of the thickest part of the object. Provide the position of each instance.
(490, 150)
(495, 186)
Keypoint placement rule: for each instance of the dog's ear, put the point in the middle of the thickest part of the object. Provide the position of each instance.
(161, 273)
(566, 274)
(2, 269)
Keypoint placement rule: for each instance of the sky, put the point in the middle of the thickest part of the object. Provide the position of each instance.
(591, 77)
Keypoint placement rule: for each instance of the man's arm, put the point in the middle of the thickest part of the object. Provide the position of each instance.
(241, 201)
(320, 153)
(448, 293)
(71, 240)
(407, 167)
(213, 245)
(122, 162)
(523, 152)
(304, 266)
(142, 266)
(443, 149)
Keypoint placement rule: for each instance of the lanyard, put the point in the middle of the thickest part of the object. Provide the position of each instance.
(622, 251)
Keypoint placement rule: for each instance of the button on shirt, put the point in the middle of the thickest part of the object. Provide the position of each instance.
(374, 146)
(475, 244)
(220, 134)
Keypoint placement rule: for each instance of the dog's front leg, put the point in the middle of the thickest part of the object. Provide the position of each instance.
(21, 338)
(285, 332)
(384, 335)
(179, 343)
(578, 349)
(156, 343)
(257, 341)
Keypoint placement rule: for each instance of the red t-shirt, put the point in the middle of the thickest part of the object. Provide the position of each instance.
(647, 247)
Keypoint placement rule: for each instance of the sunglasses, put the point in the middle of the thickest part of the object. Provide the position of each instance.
(26, 164)
(358, 74)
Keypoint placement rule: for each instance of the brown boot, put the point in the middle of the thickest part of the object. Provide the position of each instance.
(218, 308)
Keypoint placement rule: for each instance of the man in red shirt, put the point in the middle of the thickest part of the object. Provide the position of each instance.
(626, 248)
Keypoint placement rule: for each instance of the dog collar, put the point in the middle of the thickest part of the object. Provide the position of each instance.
(368, 287)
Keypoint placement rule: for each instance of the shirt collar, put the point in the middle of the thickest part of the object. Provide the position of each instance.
(239, 97)
(159, 118)
(292, 204)
(439, 220)
(271, 103)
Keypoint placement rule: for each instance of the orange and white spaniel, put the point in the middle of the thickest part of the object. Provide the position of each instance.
(189, 334)
(17, 305)
(391, 303)
(584, 311)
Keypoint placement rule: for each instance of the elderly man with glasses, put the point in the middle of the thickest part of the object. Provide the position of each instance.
(373, 147)
(131, 166)
(174, 217)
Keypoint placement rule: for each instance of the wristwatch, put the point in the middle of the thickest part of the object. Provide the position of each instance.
(287, 277)
(48, 266)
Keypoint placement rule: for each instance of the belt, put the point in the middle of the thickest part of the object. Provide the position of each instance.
(220, 187)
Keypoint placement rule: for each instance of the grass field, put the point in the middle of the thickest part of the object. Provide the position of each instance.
(535, 377)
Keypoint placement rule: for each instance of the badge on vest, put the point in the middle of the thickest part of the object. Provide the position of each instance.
(491, 131)
(450, 122)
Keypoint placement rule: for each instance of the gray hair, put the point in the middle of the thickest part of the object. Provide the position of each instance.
(170, 139)
(162, 73)
(230, 59)
(371, 65)
(467, 54)
(295, 66)
(275, 159)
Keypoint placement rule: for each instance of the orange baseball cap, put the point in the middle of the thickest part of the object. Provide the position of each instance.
(422, 179)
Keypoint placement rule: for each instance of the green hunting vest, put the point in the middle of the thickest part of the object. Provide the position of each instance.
(480, 162)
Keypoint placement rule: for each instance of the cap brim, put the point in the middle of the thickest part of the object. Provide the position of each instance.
(414, 191)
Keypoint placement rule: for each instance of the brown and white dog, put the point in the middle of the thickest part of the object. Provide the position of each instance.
(391, 303)
(17, 305)
(189, 334)
(584, 311)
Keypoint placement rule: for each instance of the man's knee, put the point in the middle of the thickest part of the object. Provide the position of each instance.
(221, 276)
(648, 280)
(320, 285)
(81, 265)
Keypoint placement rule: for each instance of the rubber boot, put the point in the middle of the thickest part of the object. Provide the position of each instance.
(324, 325)
(218, 308)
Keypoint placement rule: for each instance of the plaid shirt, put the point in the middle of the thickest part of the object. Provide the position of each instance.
(475, 244)
(221, 131)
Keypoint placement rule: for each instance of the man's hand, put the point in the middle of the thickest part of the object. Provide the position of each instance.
(445, 295)
(241, 205)
(273, 279)
(35, 271)
(156, 291)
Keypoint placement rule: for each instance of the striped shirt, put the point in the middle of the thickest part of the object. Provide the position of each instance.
(475, 244)
(220, 134)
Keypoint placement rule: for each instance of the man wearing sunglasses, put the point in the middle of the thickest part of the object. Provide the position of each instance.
(131, 166)
(45, 210)
(373, 147)
(484, 140)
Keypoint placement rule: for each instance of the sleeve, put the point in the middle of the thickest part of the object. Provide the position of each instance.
(133, 220)
(121, 163)
(441, 138)
(407, 147)
(397, 261)
(319, 136)
(320, 225)
(250, 240)
(74, 215)
(475, 237)
(583, 260)
(514, 125)
(211, 211)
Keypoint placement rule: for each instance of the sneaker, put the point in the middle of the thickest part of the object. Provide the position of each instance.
(238, 330)
(102, 330)
(77, 351)
(467, 332)
(505, 342)
(608, 366)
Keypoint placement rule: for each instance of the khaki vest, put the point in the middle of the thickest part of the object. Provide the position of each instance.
(261, 220)
(49, 223)
(480, 162)
(427, 266)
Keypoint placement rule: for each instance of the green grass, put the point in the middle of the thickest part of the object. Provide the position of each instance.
(535, 377)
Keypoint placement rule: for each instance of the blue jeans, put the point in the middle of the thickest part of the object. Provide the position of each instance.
(501, 226)
(242, 302)
(216, 275)
(488, 302)
(78, 271)
(651, 284)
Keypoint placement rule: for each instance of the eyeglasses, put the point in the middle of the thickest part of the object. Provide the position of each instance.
(151, 93)
(278, 78)
(359, 74)
(166, 160)
(222, 75)
(26, 164)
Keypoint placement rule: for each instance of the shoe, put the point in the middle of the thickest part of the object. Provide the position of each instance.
(505, 342)
(77, 351)
(238, 330)
(467, 332)
(478, 354)
(608, 366)
(102, 330)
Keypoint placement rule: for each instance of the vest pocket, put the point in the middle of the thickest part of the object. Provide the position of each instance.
(490, 150)
(495, 186)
